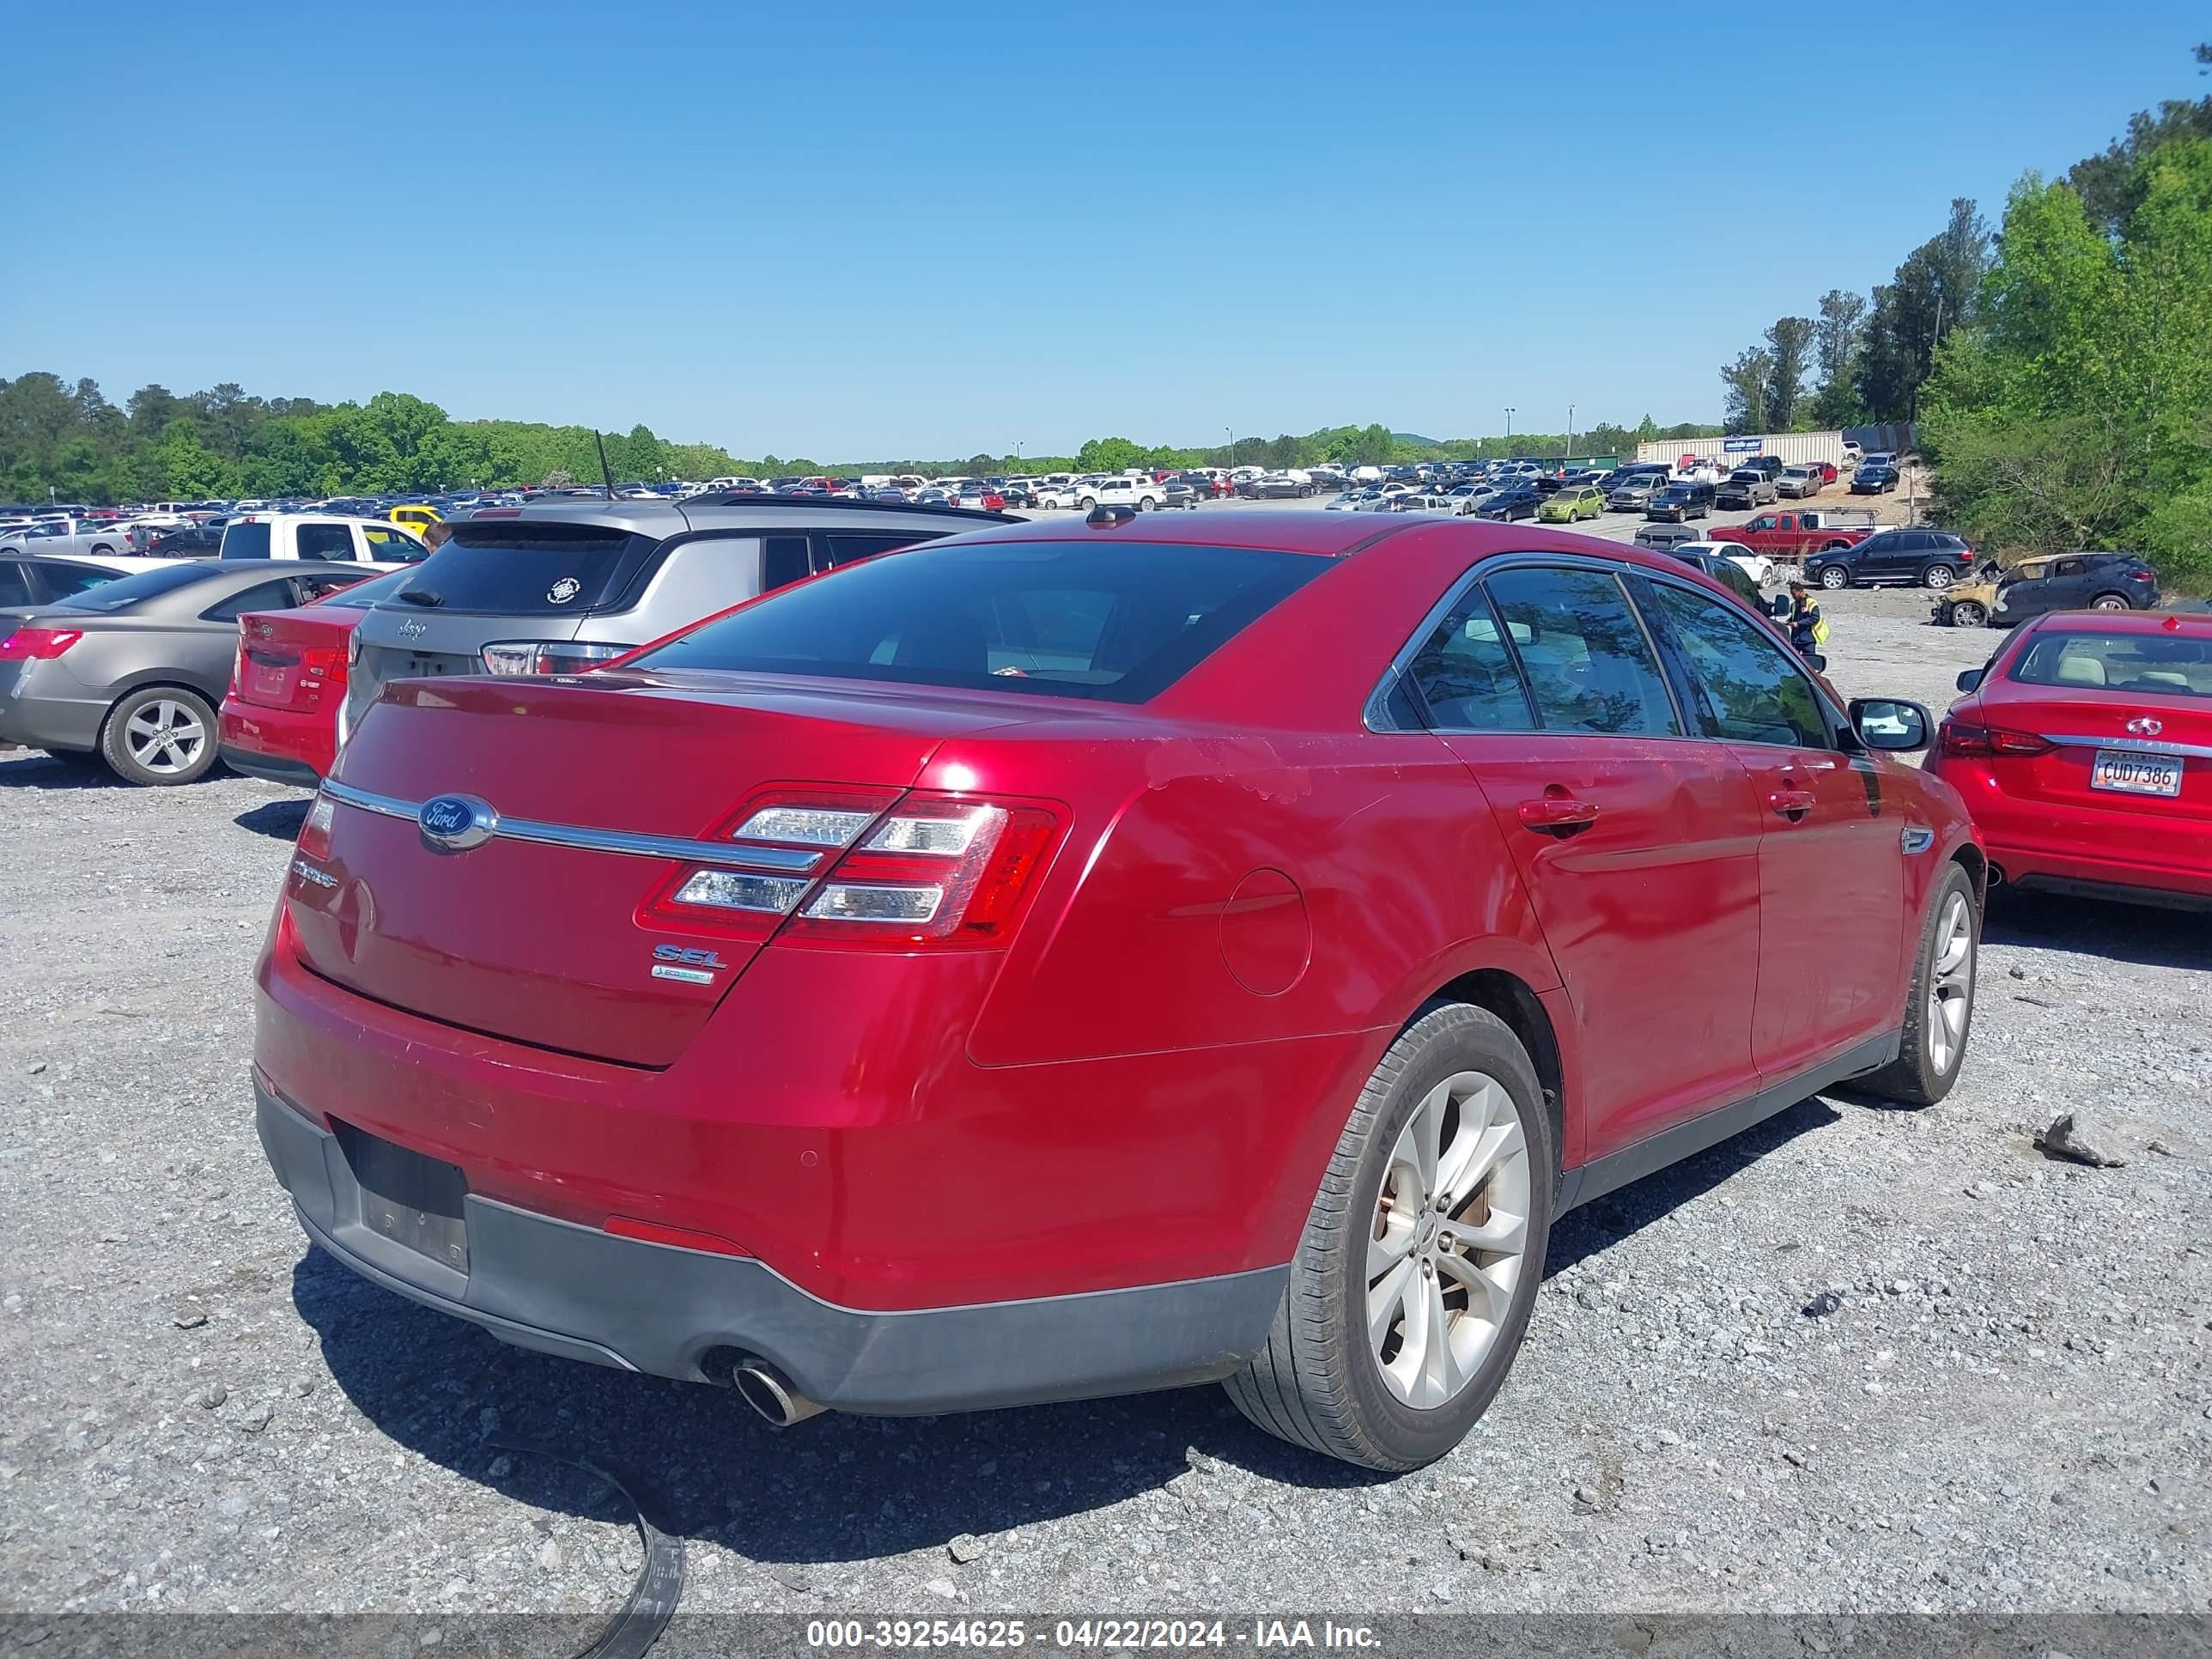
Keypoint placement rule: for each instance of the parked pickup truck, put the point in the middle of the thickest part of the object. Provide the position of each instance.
(1791, 535)
(322, 536)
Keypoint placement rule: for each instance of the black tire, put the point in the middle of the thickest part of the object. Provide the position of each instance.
(1969, 613)
(1938, 577)
(134, 763)
(2111, 602)
(1319, 1382)
(1832, 577)
(1922, 1073)
(1146, 503)
(1087, 503)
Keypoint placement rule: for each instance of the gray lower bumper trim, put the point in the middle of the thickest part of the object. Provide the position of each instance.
(563, 1289)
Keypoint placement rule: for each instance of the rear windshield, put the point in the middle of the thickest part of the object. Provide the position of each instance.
(126, 591)
(245, 541)
(516, 568)
(2146, 663)
(1116, 623)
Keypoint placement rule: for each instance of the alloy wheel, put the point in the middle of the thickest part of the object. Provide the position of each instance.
(165, 736)
(2109, 602)
(1937, 576)
(1449, 1234)
(1834, 578)
(1951, 983)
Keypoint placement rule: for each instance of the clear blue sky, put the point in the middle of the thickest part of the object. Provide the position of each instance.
(858, 232)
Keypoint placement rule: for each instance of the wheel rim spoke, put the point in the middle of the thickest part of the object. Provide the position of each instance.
(1447, 1240)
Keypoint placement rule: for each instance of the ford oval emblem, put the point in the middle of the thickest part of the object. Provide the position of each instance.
(454, 824)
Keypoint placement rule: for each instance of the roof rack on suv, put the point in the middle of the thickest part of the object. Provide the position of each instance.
(844, 503)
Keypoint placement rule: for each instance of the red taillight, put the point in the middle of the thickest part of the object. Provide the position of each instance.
(926, 870)
(315, 828)
(40, 644)
(1955, 738)
(785, 818)
(938, 871)
(2142, 576)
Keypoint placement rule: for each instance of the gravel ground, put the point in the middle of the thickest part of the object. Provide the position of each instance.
(1858, 1359)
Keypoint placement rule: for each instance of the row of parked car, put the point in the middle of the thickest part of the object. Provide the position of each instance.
(798, 891)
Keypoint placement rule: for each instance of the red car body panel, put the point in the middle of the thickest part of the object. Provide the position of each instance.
(1249, 895)
(2043, 822)
(289, 684)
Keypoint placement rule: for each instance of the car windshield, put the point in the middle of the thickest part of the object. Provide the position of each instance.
(127, 590)
(1118, 623)
(2145, 664)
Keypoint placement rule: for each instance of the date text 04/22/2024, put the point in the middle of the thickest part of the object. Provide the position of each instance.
(1102, 1634)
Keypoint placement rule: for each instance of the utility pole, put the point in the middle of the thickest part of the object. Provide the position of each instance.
(1509, 430)
(1231, 431)
(1571, 432)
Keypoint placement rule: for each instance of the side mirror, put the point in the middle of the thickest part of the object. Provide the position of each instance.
(1889, 724)
(1969, 678)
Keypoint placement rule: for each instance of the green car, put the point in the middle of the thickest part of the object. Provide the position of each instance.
(1568, 505)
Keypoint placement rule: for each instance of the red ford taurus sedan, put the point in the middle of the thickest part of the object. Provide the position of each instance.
(1071, 959)
(2084, 751)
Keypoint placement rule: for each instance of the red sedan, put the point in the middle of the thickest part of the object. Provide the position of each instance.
(280, 716)
(1062, 960)
(2084, 751)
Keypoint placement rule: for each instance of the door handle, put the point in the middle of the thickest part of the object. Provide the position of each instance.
(1791, 804)
(1557, 815)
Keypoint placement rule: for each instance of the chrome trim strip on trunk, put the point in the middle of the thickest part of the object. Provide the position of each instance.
(2132, 746)
(729, 855)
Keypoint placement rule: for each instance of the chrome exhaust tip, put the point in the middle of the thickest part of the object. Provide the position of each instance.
(1997, 875)
(765, 1390)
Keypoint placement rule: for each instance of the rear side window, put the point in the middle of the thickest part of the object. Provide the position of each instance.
(14, 589)
(1589, 666)
(1115, 623)
(245, 541)
(515, 568)
(262, 596)
(324, 541)
(1466, 676)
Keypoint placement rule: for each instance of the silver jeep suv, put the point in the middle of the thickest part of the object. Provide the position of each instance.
(559, 587)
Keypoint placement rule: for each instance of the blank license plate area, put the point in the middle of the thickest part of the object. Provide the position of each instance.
(2125, 773)
(411, 1199)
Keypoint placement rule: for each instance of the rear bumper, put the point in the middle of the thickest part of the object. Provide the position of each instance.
(272, 768)
(2085, 851)
(580, 1293)
(279, 744)
(30, 716)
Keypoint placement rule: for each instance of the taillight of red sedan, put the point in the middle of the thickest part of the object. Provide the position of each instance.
(1957, 737)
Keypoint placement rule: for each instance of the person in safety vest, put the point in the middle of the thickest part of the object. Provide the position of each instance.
(1808, 629)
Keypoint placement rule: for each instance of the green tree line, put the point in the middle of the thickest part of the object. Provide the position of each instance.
(63, 441)
(2061, 369)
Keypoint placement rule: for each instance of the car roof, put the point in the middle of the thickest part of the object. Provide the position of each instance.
(1323, 535)
(2128, 621)
(734, 509)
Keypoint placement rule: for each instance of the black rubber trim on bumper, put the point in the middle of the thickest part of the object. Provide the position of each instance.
(1655, 1153)
(2110, 892)
(563, 1289)
(270, 768)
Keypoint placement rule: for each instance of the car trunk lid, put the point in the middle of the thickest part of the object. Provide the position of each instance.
(541, 933)
(2107, 751)
(292, 659)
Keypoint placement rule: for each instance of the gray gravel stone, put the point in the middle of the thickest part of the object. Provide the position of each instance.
(2084, 1137)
